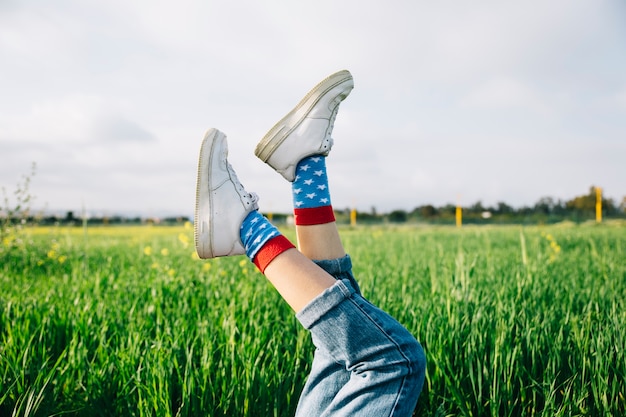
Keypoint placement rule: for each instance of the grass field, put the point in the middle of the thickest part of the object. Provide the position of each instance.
(128, 322)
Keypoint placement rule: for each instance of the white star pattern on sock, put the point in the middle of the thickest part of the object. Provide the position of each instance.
(256, 231)
(310, 187)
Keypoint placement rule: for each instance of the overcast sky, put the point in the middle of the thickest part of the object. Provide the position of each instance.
(454, 101)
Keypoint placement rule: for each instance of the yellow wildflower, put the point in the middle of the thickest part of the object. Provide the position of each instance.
(184, 239)
(147, 250)
(555, 246)
(165, 251)
(8, 240)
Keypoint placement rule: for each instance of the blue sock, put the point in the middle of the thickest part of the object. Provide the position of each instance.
(310, 187)
(255, 232)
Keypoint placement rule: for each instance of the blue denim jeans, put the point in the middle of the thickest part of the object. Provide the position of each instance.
(365, 362)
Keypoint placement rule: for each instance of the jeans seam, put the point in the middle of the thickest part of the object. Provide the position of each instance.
(408, 362)
(398, 395)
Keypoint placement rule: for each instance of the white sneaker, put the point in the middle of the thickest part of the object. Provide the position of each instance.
(306, 129)
(222, 203)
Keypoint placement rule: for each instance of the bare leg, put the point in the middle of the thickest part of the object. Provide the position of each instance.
(297, 279)
(320, 241)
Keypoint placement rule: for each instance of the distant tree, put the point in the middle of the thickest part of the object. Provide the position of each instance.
(586, 204)
(609, 206)
(545, 205)
(503, 208)
(447, 211)
(427, 211)
(583, 203)
(525, 211)
(559, 208)
(367, 217)
(398, 216)
(477, 207)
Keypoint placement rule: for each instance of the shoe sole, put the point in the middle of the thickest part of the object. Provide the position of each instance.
(203, 185)
(278, 133)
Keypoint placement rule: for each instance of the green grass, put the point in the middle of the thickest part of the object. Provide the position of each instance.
(126, 322)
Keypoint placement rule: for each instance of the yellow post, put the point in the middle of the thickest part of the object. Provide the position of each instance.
(353, 217)
(598, 205)
(459, 216)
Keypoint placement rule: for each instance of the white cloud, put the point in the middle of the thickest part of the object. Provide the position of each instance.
(505, 93)
(118, 128)
(71, 120)
(112, 98)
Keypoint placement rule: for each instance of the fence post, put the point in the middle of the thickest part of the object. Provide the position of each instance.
(598, 205)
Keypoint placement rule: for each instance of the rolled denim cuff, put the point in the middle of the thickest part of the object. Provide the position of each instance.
(340, 269)
(323, 303)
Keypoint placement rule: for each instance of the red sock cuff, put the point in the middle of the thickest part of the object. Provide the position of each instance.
(271, 250)
(312, 216)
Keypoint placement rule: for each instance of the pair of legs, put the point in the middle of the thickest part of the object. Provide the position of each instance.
(365, 362)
